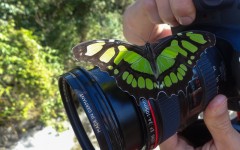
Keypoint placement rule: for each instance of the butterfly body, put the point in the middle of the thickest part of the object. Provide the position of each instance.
(150, 55)
(144, 71)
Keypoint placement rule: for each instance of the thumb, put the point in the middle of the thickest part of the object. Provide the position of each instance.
(218, 122)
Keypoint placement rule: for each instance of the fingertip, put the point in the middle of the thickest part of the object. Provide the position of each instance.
(217, 106)
(184, 11)
(218, 122)
(216, 116)
(185, 20)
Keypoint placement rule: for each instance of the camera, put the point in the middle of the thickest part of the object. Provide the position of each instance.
(105, 117)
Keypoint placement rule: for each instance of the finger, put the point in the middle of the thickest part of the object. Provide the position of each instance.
(158, 32)
(183, 10)
(175, 143)
(218, 122)
(136, 24)
(165, 12)
(170, 143)
(207, 146)
(151, 10)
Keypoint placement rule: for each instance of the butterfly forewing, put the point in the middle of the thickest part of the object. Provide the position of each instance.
(176, 57)
(124, 61)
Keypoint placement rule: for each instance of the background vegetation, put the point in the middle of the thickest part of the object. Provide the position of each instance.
(36, 37)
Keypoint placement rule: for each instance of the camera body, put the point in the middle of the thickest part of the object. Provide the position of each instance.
(118, 122)
(221, 17)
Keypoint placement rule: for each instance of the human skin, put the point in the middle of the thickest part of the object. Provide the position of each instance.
(145, 17)
(145, 21)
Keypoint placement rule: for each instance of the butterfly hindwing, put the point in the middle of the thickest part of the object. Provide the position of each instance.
(135, 83)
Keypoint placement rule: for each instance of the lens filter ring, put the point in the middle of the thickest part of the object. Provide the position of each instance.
(83, 99)
(105, 112)
(89, 95)
(72, 113)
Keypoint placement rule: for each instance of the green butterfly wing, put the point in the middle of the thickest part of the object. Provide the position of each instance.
(145, 71)
(176, 57)
(125, 62)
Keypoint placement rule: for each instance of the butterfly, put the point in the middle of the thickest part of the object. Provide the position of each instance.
(144, 71)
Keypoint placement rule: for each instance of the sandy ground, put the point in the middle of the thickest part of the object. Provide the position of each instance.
(47, 138)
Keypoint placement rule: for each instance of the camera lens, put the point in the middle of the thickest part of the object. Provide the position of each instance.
(113, 119)
(113, 115)
(95, 105)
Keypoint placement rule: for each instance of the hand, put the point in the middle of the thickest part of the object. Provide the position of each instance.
(217, 119)
(146, 17)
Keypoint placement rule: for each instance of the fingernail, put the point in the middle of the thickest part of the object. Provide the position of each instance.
(185, 20)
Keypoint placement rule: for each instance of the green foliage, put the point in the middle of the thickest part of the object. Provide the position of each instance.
(61, 24)
(28, 76)
(36, 37)
(110, 24)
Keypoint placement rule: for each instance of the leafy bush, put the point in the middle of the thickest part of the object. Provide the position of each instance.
(35, 42)
(28, 77)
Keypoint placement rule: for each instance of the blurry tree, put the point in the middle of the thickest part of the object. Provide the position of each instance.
(63, 23)
(36, 37)
(28, 77)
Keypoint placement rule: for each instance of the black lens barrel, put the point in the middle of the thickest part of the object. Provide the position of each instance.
(115, 122)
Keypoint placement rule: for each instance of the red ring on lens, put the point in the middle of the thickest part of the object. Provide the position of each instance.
(155, 125)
